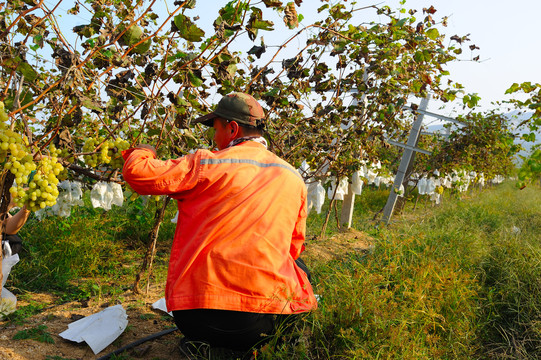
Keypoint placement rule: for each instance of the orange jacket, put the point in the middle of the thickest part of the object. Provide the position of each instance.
(241, 225)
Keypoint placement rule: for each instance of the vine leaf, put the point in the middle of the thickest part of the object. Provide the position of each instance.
(28, 71)
(430, 10)
(21, 67)
(187, 29)
(514, 88)
(433, 34)
(272, 3)
(257, 50)
(190, 4)
(291, 19)
(24, 98)
(195, 78)
(132, 35)
(256, 23)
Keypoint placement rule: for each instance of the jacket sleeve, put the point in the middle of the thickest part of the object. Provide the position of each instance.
(149, 176)
(299, 232)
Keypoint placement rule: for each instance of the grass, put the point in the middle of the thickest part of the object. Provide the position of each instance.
(38, 333)
(91, 253)
(457, 281)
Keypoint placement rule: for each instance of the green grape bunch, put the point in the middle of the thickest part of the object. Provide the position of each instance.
(35, 182)
(108, 153)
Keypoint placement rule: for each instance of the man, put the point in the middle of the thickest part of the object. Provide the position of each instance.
(241, 225)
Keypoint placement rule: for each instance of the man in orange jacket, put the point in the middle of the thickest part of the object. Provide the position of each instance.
(234, 272)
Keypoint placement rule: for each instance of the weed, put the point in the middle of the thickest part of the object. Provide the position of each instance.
(38, 333)
(119, 357)
(147, 316)
(24, 312)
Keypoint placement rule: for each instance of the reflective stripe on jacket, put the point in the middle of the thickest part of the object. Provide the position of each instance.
(241, 225)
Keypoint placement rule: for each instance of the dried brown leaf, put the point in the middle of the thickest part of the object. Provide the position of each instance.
(290, 18)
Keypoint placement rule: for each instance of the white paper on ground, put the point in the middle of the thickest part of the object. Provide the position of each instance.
(98, 330)
(160, 305)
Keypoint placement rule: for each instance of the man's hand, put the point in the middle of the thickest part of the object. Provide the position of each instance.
(148, 147)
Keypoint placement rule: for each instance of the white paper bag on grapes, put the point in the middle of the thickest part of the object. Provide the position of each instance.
(435, 197)
(105, 195)
(101, 196)
(371, 176)
(357, 183)
(341, 191)
(430, 186)
(118, 195)
(304, 170)
(421, 186)
(315, 196)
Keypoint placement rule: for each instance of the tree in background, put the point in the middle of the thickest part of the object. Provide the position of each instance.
(530, 169)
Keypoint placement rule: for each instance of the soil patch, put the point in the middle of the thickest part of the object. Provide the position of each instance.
(143, 321)
(338, 246)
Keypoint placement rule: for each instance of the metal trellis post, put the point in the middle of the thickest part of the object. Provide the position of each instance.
(406, 158)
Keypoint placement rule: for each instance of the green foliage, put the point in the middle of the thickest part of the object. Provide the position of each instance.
(38, 333)
(24, 312)
(471, 100)
(532, 103)
(187, 29)
(64, 255)
(485, 143)
(530, 170)
(140, 77)
(460, 282)
(406, 298)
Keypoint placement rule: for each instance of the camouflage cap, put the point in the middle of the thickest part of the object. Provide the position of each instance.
(240, 107)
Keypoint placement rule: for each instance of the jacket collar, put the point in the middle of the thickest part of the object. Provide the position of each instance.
(258, 139)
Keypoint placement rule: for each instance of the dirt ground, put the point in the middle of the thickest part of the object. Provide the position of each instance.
(143, 320)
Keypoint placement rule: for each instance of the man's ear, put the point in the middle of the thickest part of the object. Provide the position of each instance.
(234, 128)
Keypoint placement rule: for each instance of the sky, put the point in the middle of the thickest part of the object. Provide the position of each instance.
(507, 33)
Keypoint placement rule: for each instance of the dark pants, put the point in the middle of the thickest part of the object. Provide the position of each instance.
(15, 243)
(235, 330)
